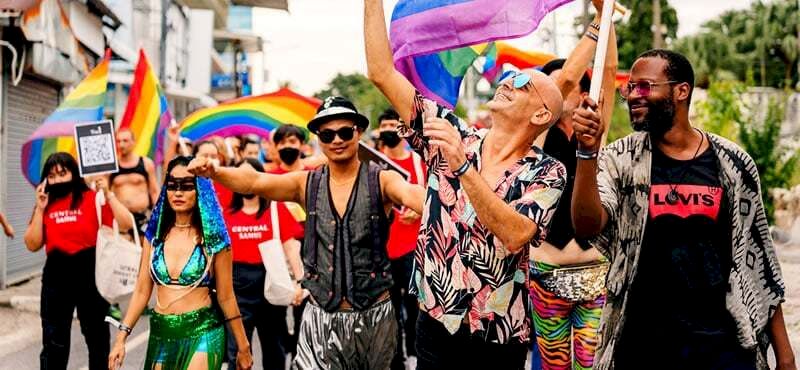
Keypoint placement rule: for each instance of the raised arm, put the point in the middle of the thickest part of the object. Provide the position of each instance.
(121, 214)
(609, 82)
(245, 180)
(401, 192)
(34, 234)
(588, 215)
(380, 64)
(577, 62)
(152, 181)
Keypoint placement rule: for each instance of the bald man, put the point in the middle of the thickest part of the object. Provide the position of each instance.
(491, 195)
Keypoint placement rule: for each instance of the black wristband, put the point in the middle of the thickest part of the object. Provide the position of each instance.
(595, 26)
(462, 170)
(592, 36)
(125, 328)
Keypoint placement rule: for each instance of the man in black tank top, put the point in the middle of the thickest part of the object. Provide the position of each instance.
(349, 322)
(135, 184)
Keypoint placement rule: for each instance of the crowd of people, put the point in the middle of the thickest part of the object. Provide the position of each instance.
(526, 237)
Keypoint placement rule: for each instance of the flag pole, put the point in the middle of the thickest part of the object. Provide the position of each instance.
(602, 49)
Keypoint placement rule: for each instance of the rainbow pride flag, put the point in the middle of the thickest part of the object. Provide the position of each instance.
(147, 114)
(421, 29)
(503, 53)
(250, 115)
(438, 76)
(56, 134)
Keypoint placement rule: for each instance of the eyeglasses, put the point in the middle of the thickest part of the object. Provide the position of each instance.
(643, 88)
(344, 133)
(521, 81)
(185, 184)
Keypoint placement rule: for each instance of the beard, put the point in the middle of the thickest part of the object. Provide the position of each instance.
(659, 118)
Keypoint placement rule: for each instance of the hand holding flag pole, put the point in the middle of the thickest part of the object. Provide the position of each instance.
(602, 49)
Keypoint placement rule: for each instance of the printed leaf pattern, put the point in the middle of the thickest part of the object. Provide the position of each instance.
(463, 269)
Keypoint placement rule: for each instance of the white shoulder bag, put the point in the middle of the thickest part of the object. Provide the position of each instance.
(279, 289)
(116, 259)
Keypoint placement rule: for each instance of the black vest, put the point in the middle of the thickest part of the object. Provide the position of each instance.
(345, 257)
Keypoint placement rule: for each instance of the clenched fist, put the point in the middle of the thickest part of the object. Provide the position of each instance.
(203, 167)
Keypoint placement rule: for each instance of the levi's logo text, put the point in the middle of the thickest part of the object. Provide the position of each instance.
(687, 201)
(68, 216)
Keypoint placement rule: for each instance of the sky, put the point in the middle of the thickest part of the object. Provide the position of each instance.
(317, 39)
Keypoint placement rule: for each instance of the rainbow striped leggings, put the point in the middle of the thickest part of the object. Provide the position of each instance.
(566, 332)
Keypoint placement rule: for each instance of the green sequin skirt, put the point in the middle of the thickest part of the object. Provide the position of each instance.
(175, 340)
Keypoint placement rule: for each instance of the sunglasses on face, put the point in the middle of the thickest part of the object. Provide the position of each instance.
(521, 81)
(185, 184)
(344, 133)
(643, 88)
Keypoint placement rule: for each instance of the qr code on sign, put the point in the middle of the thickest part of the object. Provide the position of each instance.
(97, 150)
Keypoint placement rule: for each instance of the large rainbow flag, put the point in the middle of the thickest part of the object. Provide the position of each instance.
(250, 115)
(84, 104)
(426, 27)
(147, 114)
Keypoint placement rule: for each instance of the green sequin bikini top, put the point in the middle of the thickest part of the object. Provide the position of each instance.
(194, 270)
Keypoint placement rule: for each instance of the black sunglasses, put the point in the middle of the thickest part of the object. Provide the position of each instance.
(344, 133)
(184, 184)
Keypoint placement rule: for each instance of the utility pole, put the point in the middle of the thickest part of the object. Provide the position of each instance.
(657, 28)
(162, 48)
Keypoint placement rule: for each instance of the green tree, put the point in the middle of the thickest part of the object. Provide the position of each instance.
(359, 89)
(759, 134)
(636, 35)
(756, 126)
(762, 40)
(720, 112)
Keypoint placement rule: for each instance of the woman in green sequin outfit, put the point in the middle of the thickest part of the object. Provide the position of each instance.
(187, 252)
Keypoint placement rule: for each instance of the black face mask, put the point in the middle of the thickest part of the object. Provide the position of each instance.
(248, 196)
(289, 155)
(659, 118)
(59, 190)
(390, 138)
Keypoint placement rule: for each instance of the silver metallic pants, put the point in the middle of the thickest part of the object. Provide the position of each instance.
(351, 340)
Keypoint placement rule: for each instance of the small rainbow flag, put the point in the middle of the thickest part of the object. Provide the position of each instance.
(503, 53)
(84, 104)
(422, 29)
(147, 114)
(250, 115)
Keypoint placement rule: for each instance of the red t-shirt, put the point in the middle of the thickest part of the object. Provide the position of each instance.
(403, 237)
(247, 232)
(73, 230)
(224, 195)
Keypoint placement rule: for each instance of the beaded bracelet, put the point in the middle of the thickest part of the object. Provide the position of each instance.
(462, 170)
(595, 26)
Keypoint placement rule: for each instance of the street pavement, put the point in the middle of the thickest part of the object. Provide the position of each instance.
(21, 338)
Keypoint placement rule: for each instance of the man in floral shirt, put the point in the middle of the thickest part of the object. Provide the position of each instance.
(490, 196)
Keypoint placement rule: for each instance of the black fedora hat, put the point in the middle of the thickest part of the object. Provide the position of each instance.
(337, 107)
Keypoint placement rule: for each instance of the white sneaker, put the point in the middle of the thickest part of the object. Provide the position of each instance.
(411, 363)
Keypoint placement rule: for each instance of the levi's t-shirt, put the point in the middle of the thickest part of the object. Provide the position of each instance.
(248, 231)
(73, 230)
(684, 264)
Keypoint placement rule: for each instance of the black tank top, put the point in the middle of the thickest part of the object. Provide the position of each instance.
(139, 168)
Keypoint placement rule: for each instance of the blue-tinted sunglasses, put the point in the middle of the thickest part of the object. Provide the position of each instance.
(521, 81)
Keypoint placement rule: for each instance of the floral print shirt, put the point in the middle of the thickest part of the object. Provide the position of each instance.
(462, 272)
